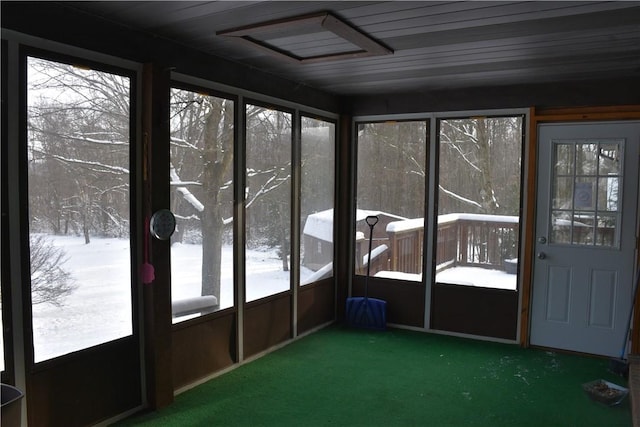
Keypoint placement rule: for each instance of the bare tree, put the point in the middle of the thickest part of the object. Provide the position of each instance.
(50, 282)
(201, 173)
(202, 159)
(392, 167)
(479, 168)
(78, 150)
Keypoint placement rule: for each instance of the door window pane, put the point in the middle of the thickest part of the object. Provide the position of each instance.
(79, 178)
(583, 194)
(561, 230)
(268, 201)
(201, 176)
(583, 228)
(606, 230)
(391, 177)
(562, 193)
(586, 160)
(479, 201)
(609, 159)
(564, 161)
(586, 207)
(608, 193)
(316, 199)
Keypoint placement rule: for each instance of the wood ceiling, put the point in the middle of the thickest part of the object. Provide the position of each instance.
(436, 45)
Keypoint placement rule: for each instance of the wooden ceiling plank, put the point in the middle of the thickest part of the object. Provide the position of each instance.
(428, 38)
(456, 15)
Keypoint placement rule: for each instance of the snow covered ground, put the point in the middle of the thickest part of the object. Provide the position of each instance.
(99, 309)
(264, 274)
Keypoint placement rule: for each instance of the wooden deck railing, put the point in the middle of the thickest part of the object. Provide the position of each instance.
(463, 240)
(406, 245)
(481, 240)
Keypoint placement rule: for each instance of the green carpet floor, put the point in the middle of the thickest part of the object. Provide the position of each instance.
(342, 377)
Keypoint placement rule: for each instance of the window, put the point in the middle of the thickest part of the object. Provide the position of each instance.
(268, 201)
(586, 178)
(391, 176)
(479, 201)
(316, 200)
(78, 158)
(201, 176)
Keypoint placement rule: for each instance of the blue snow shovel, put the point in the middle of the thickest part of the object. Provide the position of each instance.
(365, 312)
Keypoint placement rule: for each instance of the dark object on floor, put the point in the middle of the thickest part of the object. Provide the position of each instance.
(605, 392)
(634, 388)
(620, 366)
(11, 415)
(365, 312)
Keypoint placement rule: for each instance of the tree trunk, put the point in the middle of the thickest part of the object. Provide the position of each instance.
(85, 230)
(211, 250)
(85, 224)
(217, 157)
(487, 192)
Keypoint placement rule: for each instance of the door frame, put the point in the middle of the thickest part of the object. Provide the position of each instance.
(610, 264)
(28, 376)
(560, 115)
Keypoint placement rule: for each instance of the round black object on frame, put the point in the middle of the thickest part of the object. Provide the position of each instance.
(162, 224)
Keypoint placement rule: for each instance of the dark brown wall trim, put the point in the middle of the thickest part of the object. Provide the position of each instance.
(202, 348)
(475, 311)
(157, 295)
(405, 299)
(86, 390)
(316, 305)
(267, 322)
(565, 94)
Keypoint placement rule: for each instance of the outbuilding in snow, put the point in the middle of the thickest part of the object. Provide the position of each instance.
(317, 235)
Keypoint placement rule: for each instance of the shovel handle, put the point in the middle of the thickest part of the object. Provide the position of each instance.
(371, 220)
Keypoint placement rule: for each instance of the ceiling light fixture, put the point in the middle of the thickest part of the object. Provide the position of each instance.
(328, 38)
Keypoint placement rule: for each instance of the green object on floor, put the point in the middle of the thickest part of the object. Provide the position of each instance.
(344, 377)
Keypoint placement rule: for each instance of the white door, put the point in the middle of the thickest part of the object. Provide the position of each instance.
(585, 236)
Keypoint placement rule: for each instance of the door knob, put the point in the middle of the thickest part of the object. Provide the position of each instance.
(542, 240)
(542, 255)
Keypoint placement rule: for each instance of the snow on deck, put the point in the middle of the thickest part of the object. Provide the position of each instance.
(465, 276)
(448, 218)
(479, 277)
(410, 224)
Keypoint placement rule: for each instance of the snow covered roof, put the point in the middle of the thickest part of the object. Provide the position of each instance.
(320, 224)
